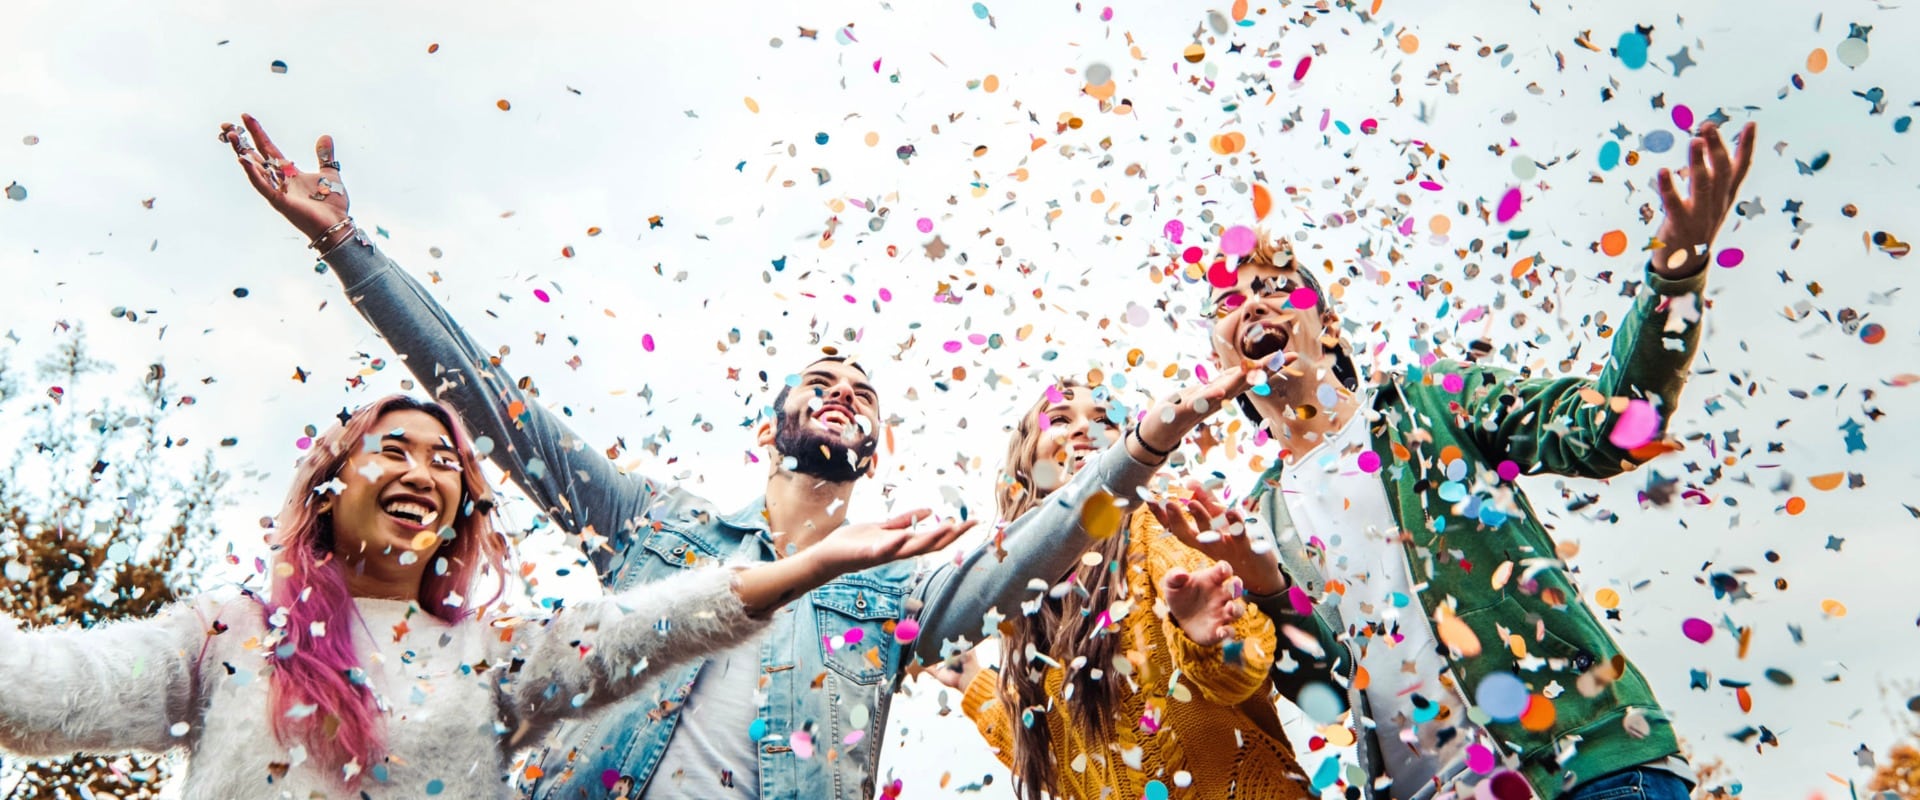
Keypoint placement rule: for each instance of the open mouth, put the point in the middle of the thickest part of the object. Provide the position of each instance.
(1261, 340)
(411, 513)
(834, 416)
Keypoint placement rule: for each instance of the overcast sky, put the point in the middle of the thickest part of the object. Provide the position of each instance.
(735, 158)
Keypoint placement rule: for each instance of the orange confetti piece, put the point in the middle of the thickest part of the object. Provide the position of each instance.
(1745, 697)
(1409, 43)
(1262, 202)
(1239, 10)
(1522, 266)
(1795, 505)
(1455, 634)
(1613, 243)
(1440, 224)
(753, 105)
(1539, 715)
(1833, 608)
(433, 48)
(1607, 599)
(1100, 516)
(1827, 482)
(503, 105)
(1817, 60)
(516, 408)
(534, 772)
(991, 83)
(1361, 679)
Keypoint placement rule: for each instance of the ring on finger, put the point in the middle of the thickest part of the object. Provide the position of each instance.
(330, 164)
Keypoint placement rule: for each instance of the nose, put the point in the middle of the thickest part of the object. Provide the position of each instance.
(418, 475)
(840, 392)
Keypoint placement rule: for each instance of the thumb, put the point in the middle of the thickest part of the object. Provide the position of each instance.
(1178, 579)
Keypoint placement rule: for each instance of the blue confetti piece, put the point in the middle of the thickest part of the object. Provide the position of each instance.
(1632, 50)
(1658, 141)
(980, 10)
(780, 264)
(1156, 790)
(1326, 775)
(435, 787)
(757, 731)
(1609, 156)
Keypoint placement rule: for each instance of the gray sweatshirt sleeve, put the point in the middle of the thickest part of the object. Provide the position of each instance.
(578, 487)
(1043, 543)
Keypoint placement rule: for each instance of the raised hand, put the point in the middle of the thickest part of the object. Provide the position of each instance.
(1204, 604)
(1205, 524)
(1713, 187)
(315, 202)
(856, 547)
(1170, 420)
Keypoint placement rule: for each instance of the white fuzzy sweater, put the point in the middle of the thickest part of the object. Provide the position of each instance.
(455, 699)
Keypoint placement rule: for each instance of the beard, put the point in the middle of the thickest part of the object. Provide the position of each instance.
(820, 454)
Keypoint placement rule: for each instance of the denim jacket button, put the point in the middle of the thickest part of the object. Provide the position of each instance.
(860, 601)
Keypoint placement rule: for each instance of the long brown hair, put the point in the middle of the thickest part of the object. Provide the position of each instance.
(1066, 628)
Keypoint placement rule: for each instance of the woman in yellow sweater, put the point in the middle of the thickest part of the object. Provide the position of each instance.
(1142, 673)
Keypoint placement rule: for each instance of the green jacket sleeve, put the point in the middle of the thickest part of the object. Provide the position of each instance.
(1561, 425)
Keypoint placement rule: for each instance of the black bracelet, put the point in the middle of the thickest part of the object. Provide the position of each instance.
(1161, 454)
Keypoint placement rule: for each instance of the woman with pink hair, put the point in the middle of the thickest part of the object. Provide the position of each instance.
(368, 668)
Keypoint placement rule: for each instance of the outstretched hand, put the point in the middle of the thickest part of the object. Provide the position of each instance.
(1713, 187)
(313, 201)
(1204, 523)
(1170, 420)
(856, 547)
(1204, 604)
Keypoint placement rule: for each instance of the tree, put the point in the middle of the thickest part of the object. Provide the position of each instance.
(94, 526)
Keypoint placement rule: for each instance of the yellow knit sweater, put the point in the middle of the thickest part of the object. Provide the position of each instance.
(1186, 717)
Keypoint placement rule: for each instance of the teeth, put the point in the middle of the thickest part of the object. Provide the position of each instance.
(429, 519)
(411, 509)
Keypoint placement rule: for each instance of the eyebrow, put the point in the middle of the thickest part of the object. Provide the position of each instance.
(401, 437)
(858, 385)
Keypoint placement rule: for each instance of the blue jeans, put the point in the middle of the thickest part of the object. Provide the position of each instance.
(1639, 783)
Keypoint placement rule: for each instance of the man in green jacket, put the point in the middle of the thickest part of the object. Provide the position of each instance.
(1422, 578)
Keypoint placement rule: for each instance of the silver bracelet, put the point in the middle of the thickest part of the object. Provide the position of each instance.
(315, 244)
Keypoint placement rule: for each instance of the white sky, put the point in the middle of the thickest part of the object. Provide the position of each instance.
(125, 99)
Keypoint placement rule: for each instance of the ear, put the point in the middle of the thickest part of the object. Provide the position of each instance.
(763, 434)
(326, 506)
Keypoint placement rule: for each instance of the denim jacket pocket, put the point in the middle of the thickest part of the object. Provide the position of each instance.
(851, 620)
(678, 549)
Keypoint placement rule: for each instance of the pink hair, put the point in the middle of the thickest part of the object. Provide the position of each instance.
(309, 585)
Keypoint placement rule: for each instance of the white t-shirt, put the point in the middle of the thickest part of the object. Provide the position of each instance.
(711, 747)
(1333, 500)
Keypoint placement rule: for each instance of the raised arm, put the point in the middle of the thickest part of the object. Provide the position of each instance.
(1044, 542)
(578, 487)
(594, 653)
(1568, 425)
(115, 688)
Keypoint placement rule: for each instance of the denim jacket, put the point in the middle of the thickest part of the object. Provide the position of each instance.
(828, 660)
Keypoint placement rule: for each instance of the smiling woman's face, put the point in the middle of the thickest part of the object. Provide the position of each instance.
(1070, 430)
(406, 485)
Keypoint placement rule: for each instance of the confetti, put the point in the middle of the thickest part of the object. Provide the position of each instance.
(278, 67)
(1699, 630)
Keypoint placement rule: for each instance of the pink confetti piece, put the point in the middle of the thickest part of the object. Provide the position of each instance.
(854, 737)
(1369, 462)
(953, 346)
(1055, 396)
(1730, 257)
(925, 225)
(1174, 230)
(1697, 629)
(1200, 370)
(1480, 759)
(854, 635)
(1238, 240)
(1303, 297)
(541, 295)
(1406, 226)
(906, 630)
(1326, 116)
(1300, 69)
(1683, 117)
(1369, 126)
(1509, 205)
(646, 342)
(876, 66)
(1430, 186)
(303, 442)
(1508, 470)
(1192, 255)
(1106, 14)
(886, 296)
(851, 298)
(1636, 426)
(1220, 276)
(976, 338)
(1297, 597)
(802, 744)
(1453, 383)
